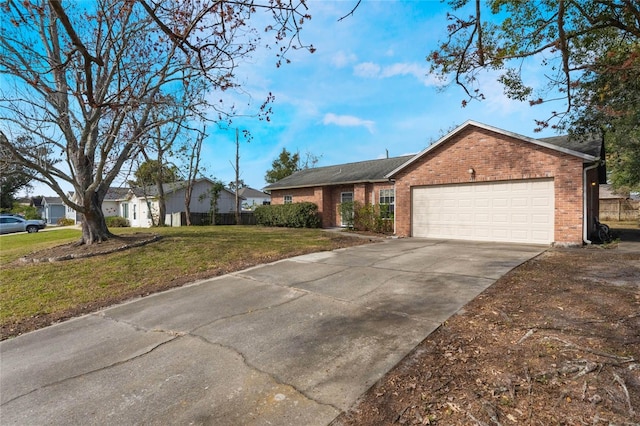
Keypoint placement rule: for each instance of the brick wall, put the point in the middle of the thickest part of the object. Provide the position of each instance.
(496, 157)
(328, 198)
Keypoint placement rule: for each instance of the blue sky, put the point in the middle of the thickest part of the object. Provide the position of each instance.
(366, 89)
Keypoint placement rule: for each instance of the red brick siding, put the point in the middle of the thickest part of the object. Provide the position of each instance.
(298, 195)
(328, 198)
(496, 157)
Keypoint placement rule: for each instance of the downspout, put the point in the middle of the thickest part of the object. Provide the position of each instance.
(585, 190)
(395, 211)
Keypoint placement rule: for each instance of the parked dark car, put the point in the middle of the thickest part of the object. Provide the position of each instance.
(12, 223)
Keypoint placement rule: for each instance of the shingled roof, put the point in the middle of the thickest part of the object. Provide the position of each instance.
(360, 172)
(588, 148)
(590, 145)
(247, 192)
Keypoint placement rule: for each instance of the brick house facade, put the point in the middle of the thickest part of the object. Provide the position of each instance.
(498, 156)
(472, 156)
(325, 186)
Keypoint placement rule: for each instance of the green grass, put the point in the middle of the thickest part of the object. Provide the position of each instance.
(54, 290)
(13, 246)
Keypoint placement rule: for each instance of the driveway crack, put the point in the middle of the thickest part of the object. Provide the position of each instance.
(96, 370)
(272, 376)
(251, 311)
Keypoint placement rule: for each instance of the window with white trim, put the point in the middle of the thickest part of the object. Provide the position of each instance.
(387, 203)
(288, 199)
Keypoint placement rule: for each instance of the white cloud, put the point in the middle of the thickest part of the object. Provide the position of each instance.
(342, 59)
(403, 69)
(420, 72)
(348, 121)
(367, 69)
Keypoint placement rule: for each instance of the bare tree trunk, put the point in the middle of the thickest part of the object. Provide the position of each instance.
(162, 202)
(94, 226)
(194, 165)
(162, 206)
(237, 178)
(187, 201)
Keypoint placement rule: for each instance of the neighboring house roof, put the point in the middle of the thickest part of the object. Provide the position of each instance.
(115, 193)
(25, 201)
(37, 201)
(168, 188)
(360, 172)
(607, 192)
(51, 200)
(119, 194)
(247, 192)
(590, 150)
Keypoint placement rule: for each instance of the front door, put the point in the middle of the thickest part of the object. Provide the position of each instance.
(346, 197)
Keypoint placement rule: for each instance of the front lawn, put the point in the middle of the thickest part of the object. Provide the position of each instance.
(36, 294)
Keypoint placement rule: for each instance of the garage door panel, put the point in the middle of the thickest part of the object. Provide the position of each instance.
(519, 235)
(519, 219)
(468, 217)
(513, 211)
(520, 202)
(541, 235)
(482, 203)
(500, 203)
(540, 219)
(539, 202)
(500, 218)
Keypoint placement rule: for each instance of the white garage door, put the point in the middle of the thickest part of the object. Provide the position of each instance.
(514, 211)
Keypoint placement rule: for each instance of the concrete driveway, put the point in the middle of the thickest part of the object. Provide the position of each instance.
(289, 343)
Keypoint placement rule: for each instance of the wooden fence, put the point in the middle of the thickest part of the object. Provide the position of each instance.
(619, 209)
(246, 218)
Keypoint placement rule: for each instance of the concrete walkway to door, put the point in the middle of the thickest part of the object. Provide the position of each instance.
(289, 343)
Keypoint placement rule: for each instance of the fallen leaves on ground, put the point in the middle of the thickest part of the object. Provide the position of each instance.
(554, 342)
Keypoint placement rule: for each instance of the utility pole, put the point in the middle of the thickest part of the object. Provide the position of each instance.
(237, 178)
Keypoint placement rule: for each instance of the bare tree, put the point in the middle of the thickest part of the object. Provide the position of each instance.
(238, 183)
(83, 87)
(161, 141)
(191, 150)
(83, 81)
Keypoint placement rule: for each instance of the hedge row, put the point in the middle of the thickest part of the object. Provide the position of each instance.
(116, 222)
(295, 215)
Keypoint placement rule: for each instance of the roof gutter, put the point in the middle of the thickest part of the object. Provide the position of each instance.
(586, 188)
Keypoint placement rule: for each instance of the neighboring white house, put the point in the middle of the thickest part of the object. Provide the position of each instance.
(143, 204)
(140, 205)
(253, 198)
(110, 205)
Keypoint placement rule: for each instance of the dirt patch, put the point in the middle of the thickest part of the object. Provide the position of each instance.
(79, 251)
(554, 342)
